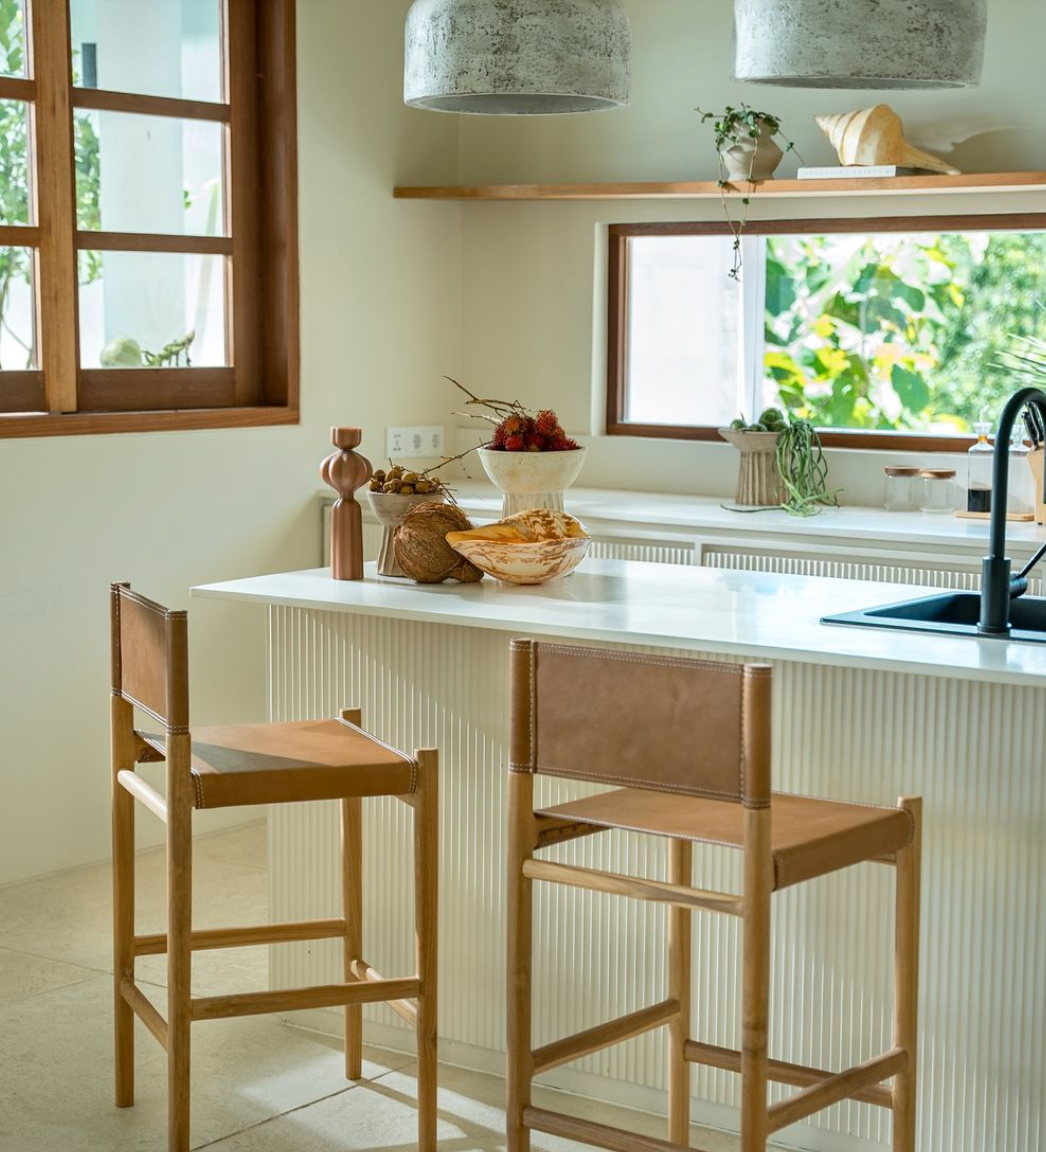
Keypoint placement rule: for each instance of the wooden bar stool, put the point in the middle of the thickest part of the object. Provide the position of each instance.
(690, 742)
(239, 765)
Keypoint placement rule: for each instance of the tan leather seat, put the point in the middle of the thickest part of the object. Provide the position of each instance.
(809, 837)
(238, 764)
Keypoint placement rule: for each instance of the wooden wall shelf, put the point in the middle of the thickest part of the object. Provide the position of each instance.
(974, 182)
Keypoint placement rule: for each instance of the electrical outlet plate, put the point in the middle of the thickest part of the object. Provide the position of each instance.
(416, 442)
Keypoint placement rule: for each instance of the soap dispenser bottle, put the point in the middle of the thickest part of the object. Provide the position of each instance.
(979, 481)
(1020, 498)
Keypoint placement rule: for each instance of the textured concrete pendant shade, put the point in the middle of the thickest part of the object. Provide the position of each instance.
(517, 57)
(883, 44)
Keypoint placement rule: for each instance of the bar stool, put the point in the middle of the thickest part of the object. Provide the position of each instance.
(239, 765)
(689, 741)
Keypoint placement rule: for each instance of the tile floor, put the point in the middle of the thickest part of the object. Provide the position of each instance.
(258, 1086)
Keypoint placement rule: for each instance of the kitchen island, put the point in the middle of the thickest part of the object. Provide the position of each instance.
(858, 715)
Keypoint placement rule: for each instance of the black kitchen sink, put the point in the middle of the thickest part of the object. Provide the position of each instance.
(951, 613)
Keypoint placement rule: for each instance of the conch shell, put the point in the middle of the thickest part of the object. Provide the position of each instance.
(528, 548)
(876, 136)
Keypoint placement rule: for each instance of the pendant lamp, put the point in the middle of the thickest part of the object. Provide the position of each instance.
(517, 57)
(881, 44)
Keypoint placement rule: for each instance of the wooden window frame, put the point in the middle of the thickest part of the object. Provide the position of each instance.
(261, 384)
(618, 305)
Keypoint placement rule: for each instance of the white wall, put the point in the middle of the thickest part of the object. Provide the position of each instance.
(381, 321)
(534, 298)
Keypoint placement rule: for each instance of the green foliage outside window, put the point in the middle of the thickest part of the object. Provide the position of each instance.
(902, 332)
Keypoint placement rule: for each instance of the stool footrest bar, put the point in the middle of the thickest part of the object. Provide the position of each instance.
(295, 999)
(405, 1008)
(603, 1035)
(144, 1010)
(156, 945)
(133, 783)
(797, 1075)
(633, 886)
(588, 1132)
(840, 1087)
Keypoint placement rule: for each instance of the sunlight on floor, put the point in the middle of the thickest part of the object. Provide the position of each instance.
(257, 1084)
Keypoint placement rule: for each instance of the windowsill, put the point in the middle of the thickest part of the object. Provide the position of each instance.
(667, 516)
(106, 423)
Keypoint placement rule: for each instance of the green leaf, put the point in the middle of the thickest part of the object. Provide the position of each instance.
(780, 288)
(912, 390)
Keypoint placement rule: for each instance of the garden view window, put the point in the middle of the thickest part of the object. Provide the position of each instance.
(148, 230)
(883, 335)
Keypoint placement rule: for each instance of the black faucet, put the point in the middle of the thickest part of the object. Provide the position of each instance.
(998, 586)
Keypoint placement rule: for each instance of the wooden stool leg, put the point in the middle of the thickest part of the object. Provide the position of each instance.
(755, 997)
(352, 908)
(179, 940)
(679, 983)
(426, 918)
(519, 1060)
(123, 898)
(906, 981)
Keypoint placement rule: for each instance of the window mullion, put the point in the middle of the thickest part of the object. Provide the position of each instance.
(55, 203)
(243, 187)
(753, 313)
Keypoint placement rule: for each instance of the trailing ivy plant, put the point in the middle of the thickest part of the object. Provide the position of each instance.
(734, 126)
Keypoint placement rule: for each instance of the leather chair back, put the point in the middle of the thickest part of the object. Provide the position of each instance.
(150, 657)
(695, 727)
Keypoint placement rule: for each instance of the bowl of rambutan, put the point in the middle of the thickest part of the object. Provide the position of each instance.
(531, 461)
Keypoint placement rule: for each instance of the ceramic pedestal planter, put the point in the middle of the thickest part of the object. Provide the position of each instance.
(532, 479)
(752, 159)
(390, 509)
(758, 480)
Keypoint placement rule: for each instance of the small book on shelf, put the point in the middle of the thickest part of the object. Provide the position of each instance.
(857, 172)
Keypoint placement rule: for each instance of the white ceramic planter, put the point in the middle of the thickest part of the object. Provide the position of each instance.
(752, 161)
(758, 480)
(532, 479)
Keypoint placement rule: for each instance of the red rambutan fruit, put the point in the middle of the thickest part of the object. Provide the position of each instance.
(547, 422)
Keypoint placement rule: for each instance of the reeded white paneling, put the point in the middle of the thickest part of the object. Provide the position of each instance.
(647, 551)
(969, 581)
(975, 752)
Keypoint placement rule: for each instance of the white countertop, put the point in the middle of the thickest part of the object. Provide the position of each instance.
(667, 606)
(654, 510)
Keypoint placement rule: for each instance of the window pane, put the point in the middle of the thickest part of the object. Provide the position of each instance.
(14, 162)
(148, 174)
(683, 342)
(155, 47)
(17, 325)
(12, 38)
(900, 332)
(151, 309)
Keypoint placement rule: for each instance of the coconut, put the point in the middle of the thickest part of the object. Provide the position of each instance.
(421, 545)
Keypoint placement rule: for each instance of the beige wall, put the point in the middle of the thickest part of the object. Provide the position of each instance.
(381, 321)
(534, 299)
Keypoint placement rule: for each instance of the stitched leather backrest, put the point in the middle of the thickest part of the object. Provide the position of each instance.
(150, 665)
(657, 722)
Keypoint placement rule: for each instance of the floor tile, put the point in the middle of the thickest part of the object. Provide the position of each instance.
(69, 917)
(381, 1117)
(23, 976)
(56, 1050)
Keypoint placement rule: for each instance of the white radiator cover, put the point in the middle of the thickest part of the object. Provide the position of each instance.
(840, 733)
